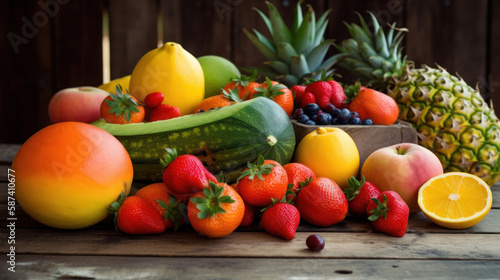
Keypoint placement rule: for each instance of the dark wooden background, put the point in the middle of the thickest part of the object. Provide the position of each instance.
(63, 46)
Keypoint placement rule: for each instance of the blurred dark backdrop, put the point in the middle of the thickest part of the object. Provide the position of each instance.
(49, 45)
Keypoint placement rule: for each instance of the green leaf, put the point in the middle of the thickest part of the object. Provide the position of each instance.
(262, 47)
(305, 35)
(257, 169)
(299, 66)
(317, 55)
(280, 32)
(263, 39)
(297, 19)
(285, 51)
(170, 155)
(354, 187)
(279, 66)
(209, 204)
(380, 210)
(267, 21)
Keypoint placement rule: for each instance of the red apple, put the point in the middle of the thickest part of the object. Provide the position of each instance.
(81, 104)
(402, 168)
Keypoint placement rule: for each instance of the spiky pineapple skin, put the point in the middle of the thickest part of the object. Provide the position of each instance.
(451, 118)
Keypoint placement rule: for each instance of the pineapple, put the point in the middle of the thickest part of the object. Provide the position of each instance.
(451, 118)
(296, 53)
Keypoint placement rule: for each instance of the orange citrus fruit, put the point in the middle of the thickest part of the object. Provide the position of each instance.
(329, 152)
(455, 200)
(69, 173)
(225, 217)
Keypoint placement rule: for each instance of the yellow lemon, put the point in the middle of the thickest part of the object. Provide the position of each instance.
(110, 87)
(455, 200)
(331, 153)
(172, 71)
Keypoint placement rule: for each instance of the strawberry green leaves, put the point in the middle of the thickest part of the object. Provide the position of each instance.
(258, 169)
(122, 104)
(209, 203)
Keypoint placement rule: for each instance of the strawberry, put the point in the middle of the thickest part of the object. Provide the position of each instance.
(389, 213)
(134, 215)
(322, 92)
(359, 194)
(164, 112)
(185, 173)
(307, 99)
(298, 91)
(249, 215)
(338, 96)
(170, 208)
(154, 99)
(281, 219)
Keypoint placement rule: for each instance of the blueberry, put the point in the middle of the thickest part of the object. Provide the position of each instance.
(335, 112)
(329, 108)
(334, 121)
(299, 112)
(367, 122)
(303, 119)
(309, 122)
(354, 114)
(313, 117)
(323, 119)
(311, 109)
(315, 242)
(355, 120)
(340, 121)
(344, 115)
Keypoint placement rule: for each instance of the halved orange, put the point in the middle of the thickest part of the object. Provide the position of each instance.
(455, 200)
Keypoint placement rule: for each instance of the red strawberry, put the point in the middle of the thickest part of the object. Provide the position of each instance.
(164, 112)
(338, 95)
(134, 215)
(249, 215)
(306, 99)
(322, 92)
(298, 91)
(281, 219)
(154, 99)
(170, 208)
(185, 174)
(389, 213)
(359, 194)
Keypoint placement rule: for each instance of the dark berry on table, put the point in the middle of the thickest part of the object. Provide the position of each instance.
(323, 119)
(303, 118)
(329, 108)
(344, 115)
(311, 109)
(315, 243)
(354, 114)
(335, 112)
(355, 120)
(342, 121)
(335, 121)
(309, 122)
(299, 112)
(367, 122)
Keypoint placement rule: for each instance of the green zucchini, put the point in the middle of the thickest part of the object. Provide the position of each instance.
(224, 139)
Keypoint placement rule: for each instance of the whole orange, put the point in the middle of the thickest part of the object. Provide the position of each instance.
(68, 174)
(322, 203)
(223, 222)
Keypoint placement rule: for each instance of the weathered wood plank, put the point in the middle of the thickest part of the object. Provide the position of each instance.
(8, 152)
(77, 44)
(459, 44)
(197, 27)
(26, 75)
(132, 33)
(256, 245)
(103, 267)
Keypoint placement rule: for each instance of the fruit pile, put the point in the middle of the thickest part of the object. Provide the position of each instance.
(216, 146)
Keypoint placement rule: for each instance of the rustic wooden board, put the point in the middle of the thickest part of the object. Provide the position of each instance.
(133, 32)
(123, 267)
(256, 245)
(8, 152)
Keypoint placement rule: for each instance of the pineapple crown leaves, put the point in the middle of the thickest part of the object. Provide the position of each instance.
(209, 203)
(122, 103)
(374, 55)
(380, 210)
(174, 211)
(257, 169)
(243, 80)
(169, 157)
(113, 208)
(296, 51)
(271, 90)
(354, 187)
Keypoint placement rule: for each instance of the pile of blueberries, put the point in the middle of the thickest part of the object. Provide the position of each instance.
(311, 114)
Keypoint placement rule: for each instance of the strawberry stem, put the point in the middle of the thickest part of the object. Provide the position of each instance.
(174, 211)
(169, 157)
(257, 169)
(380, 210)
(122, 104)
(114, 207)
(209, 203)
(354, 187)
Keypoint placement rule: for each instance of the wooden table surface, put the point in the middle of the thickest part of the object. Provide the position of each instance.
(353, 250)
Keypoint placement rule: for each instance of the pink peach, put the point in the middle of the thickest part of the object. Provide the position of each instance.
(81, 104)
